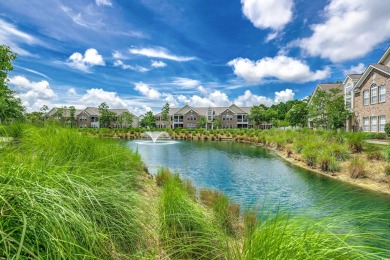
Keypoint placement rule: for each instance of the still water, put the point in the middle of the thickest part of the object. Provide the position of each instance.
(254, 177)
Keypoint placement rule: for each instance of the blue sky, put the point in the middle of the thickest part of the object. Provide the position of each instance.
(142, 54)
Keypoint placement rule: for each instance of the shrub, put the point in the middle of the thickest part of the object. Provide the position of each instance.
(387, 129)
(376, 155)
(162, 176)
(310, 157)
(355, 142)
(356, 168)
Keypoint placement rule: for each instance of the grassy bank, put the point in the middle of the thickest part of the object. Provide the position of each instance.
(214, 228)
(65, 195)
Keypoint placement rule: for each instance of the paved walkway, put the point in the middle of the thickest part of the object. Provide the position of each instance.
(382, 142)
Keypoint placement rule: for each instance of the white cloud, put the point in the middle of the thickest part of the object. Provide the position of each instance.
(216, 98)
(171, 100)
(280, 67)
(91, 58)
(271, 36)
(159, 52)
(284, 96)
(95, 96)
(103, 2)
(158, 64)
(147, 91)
(273, 14)
(119, 63)
(72, 91)
(13, 37)
(118, 55)
(352, 28)
(33, 94)
(250, 99)
(185, 82)
(358, 69)
(203, 90)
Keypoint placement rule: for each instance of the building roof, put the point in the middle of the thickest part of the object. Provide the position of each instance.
(327, 87)
(355, 77)
(384, 56)
(379, 67)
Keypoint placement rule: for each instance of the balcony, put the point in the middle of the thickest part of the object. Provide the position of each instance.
(178, 121)
(95, 124)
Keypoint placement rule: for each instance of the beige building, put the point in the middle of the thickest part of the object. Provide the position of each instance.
(90, 117)
(189, 117)
(371, 97)
(366, 96)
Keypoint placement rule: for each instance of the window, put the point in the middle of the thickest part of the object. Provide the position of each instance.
(366, 124)
(366, 97)
(374, 94)
(374, 124)
(348, 103)
(382, 93)
(382, 122)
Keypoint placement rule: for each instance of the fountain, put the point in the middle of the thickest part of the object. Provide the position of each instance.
(154, 136)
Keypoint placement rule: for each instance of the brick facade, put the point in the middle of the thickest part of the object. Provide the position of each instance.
(372, 112)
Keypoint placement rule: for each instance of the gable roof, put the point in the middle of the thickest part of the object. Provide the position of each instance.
(326, 87)
(384, 56)
(378, 67)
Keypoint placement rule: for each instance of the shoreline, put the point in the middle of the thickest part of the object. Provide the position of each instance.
(365, 183)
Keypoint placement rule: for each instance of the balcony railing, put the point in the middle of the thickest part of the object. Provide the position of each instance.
(178, 121)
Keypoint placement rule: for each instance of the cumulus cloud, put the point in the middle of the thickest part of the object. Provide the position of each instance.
(273, 14)
(147, 91)
(249, 99)
(185, 82)
(159, 52)
(203, 90)
(158, 64)
(33, 94)
(118, 55)
(358, 69)
(103, 2)
(284, 95)
(84, 62)
(119, 63)
(11, 36)
(352, 28)
(96, 96)
(280, 67)
(216, 98)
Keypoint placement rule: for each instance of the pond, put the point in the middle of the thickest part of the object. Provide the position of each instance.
(252, 176)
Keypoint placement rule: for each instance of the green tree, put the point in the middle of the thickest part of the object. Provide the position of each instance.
(148, 121)
(10, 107)
(165, 112)
(327, 109)
(258, 114)
(127, 119)
(216, 122)
(297, 115)
(106, 116)
(72, 116)
(202, 122)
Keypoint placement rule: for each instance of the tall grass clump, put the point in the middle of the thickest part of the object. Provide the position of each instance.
(356, 168)
(64, 195)
(186, 231)
(356, 141)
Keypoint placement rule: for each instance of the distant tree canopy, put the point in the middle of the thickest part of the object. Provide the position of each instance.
(277, 113)
(106, 116)
(327, 109)
(148, 121)
(11, 107)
